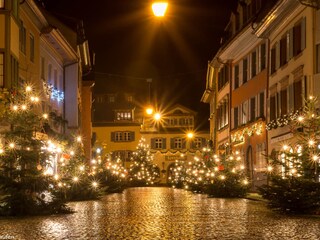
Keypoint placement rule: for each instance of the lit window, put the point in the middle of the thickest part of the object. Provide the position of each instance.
(126, 136)
(178, 143)
(198, 142)
(158, 143)
(1, 3)
(118, 136)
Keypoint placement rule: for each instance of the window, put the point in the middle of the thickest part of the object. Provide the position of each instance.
(283, 50)
(158, 143)
(261, 104)
(14, 71)
(299, 37)
(262, 57)
(42, 68)
(244, 112)
(235, 117)
(126, 115)
(283, 99)
(222, 115)
(245, 71)
(122, 136)
(297, 89)
(111, 99)
(261, 161)
(252, 109)
(22, 38)
(118, 136)
(236, 76)
(1, 3)
(197, 142)
(126, 136)
(129, 98)
(273, 60)
(272, 107)
(223, 77)
(177, 143)
(31, 48)
(253, 64)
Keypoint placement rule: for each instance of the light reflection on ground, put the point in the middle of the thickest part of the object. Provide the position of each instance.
(163, 213)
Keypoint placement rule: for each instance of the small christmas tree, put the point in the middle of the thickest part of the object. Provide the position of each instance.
(228, 178)
(24, 188)
(116, 175)
(294, 170)
(78, 179)
(142, 170)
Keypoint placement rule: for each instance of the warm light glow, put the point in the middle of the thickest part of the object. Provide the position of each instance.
(285, 147)
(157, 116)
(75, 179)
(311, 142)
(149, 111)
(269, 168)
(24, 107)
(56, 177)
(79, 139)
(190, 135)
(159, 8)
(15, 108)
(94, 184)
(300, 118)
(12, 145)
(45, 116)
(28, 88)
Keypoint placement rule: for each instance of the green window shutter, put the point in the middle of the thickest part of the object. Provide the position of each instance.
(113, 136)
(153, 144)
(164, 143)
(192, 145)
(172, 143)
(132, 136)
(184, 144)
(203, 142)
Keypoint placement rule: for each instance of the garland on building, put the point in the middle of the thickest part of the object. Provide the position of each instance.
(282, 121)
(294, 169)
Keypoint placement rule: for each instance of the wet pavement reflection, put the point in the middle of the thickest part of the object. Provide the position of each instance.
(163, 213)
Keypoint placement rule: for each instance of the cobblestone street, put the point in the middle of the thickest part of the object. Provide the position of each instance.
(163, 213)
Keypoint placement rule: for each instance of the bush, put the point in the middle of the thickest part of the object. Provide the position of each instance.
(231, 187)
(292, 195)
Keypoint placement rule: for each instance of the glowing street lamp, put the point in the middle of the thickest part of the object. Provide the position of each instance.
(159, 8)
(190, 135)
(149, 110)
(157, 116)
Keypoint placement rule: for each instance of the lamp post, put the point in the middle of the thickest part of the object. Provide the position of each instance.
(159, 8)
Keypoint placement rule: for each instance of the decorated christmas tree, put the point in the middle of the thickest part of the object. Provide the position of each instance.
(227, 175)
(142, 170)
(294, 169)
(217, 176)
(24, 186)
(79, 179)
(116, 175)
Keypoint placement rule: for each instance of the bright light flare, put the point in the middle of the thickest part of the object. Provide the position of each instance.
(159, 8)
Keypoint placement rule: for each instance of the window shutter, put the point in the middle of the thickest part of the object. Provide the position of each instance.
(303, 33)
(290, 52)
(203, 142)
(172, 143)
(113, 136)
(277, 55)
(153, 143)
(184, 145)
(164, 143)
(132, 136)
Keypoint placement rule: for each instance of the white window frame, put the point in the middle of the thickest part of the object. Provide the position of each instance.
(158, 143)
(178, 143)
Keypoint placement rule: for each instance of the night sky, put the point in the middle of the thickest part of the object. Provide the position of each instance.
(130, 43)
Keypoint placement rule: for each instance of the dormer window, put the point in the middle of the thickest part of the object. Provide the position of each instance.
(123, 115)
